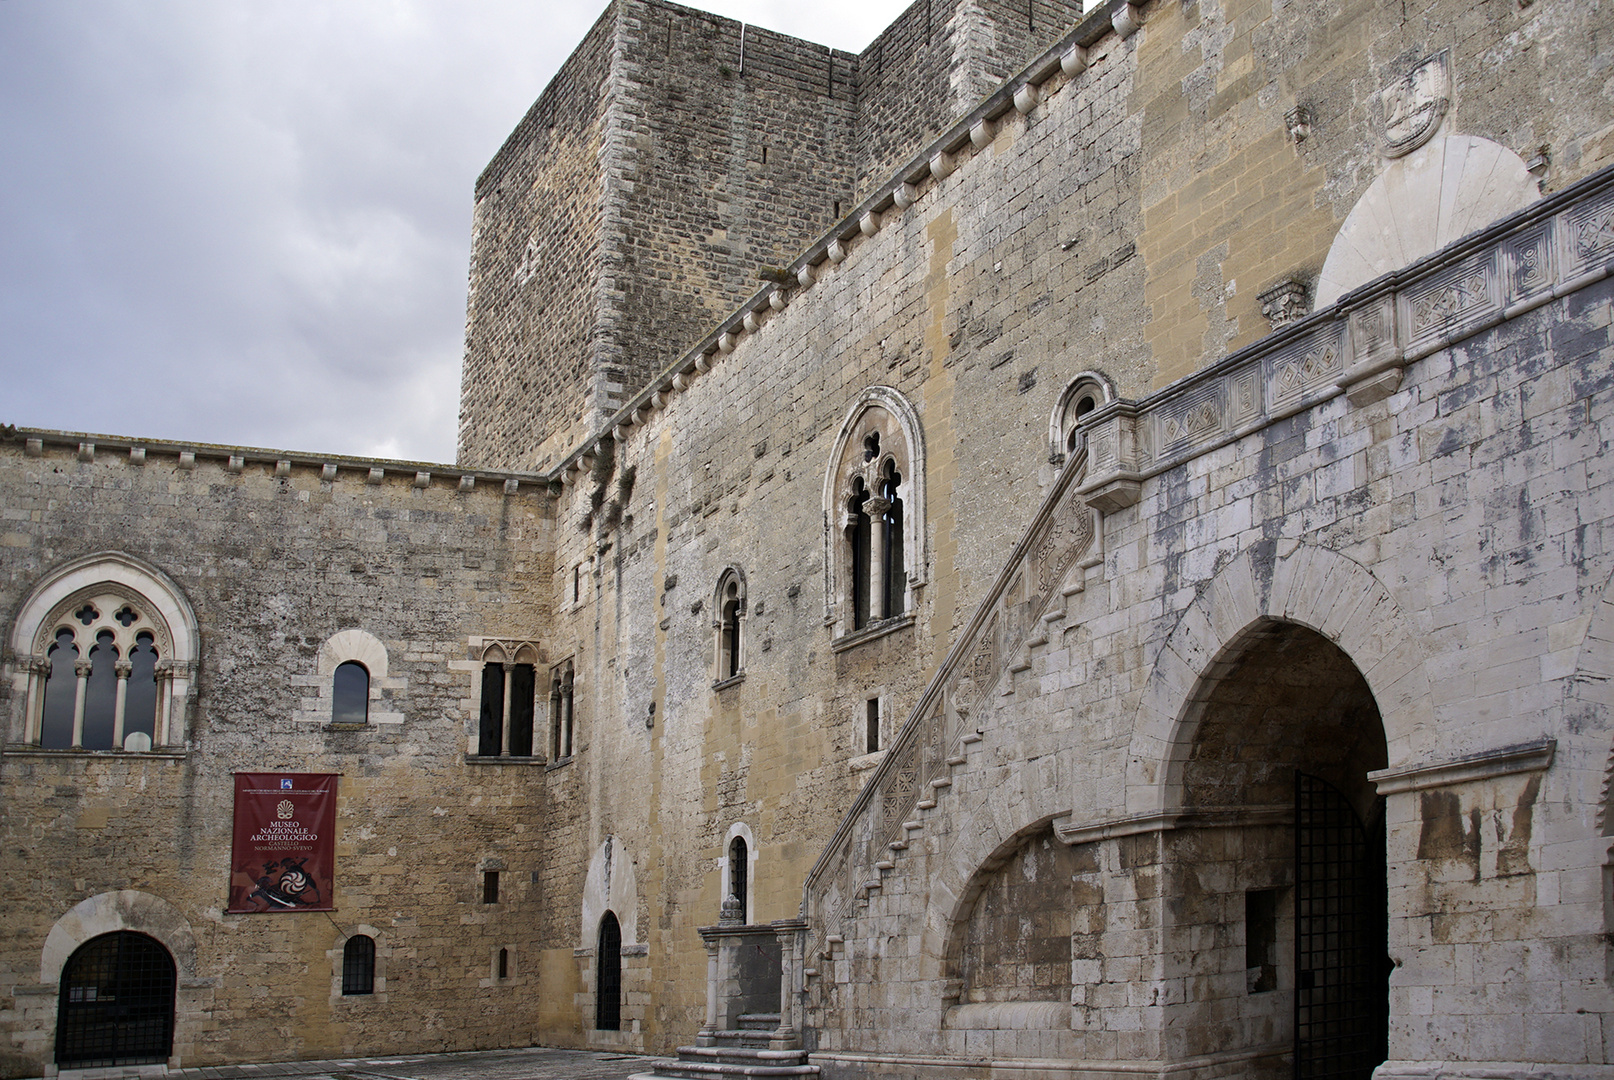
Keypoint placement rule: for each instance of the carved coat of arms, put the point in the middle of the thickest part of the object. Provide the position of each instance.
(1412, 108)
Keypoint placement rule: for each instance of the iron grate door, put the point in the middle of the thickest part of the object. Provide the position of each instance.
(608, 997)
(1341, 998)
(116, 1005)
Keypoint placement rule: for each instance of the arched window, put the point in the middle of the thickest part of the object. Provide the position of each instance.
(874, 503)
(729, 605)
(353, 683)
(608, 980)
(1082, 396)
(358, 965)
(738, 874)
(561, 680)
(350, 694)
(108, 648)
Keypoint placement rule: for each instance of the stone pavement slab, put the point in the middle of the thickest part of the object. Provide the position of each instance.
(534, 1063)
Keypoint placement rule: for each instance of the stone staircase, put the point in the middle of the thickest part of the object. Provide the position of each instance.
(1022, 612)
(736, 1053)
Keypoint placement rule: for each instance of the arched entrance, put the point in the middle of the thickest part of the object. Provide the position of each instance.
(116, 1004)
(608, 984)
(1279, 887)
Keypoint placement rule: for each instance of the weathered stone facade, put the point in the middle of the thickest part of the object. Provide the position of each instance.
(1023, 568)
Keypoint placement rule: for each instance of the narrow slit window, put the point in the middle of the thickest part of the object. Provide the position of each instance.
(872, 726)
(1261, 940)
(490, 886)
(739, 864)
(504, 963)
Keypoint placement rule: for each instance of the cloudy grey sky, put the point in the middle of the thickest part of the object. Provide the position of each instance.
(249, 222)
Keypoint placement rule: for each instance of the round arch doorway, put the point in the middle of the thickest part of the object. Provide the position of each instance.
(116, 1003)
(1279, 754)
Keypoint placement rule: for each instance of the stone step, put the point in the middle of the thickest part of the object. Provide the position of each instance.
(759, 1021)
(717, 1062)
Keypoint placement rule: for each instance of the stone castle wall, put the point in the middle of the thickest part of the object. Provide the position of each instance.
(275, 562)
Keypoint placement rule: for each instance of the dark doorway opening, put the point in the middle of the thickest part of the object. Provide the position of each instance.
(608, 984)
(1286, 702)
(116, 1005)
(1342, 1016)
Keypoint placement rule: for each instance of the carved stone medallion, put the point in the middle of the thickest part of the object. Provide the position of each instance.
(1411, 110)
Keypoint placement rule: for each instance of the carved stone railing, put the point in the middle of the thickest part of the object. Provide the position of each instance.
(1359, 347)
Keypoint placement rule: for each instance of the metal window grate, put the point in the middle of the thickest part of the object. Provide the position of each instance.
(1341, 1001)
(358, 966)
(116, 1005)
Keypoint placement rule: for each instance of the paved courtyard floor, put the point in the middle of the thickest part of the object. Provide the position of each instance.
(535, 1063)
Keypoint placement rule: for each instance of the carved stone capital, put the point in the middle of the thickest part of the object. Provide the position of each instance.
(81, 668)
(124, 668)
(1284, 303)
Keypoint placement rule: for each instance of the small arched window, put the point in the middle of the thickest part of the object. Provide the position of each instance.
(350, 694)
(1083, 395)
(358, 965)
(729, 625)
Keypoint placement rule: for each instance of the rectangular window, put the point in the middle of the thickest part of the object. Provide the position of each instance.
(490, 886)
(1261, 940)
(872, 733)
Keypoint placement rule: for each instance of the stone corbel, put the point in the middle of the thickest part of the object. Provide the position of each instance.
(1113, 481)
(1373, 360)
(1126, 20)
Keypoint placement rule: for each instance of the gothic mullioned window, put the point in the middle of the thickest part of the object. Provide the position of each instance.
(107, 647)
(874, 513)
(729, 624)
(509, 701)
(561, 680)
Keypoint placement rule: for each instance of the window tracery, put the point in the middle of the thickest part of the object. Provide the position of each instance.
(99, 663)
(874, 513)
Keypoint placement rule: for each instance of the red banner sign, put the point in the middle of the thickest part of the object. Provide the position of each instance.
(283, 857)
